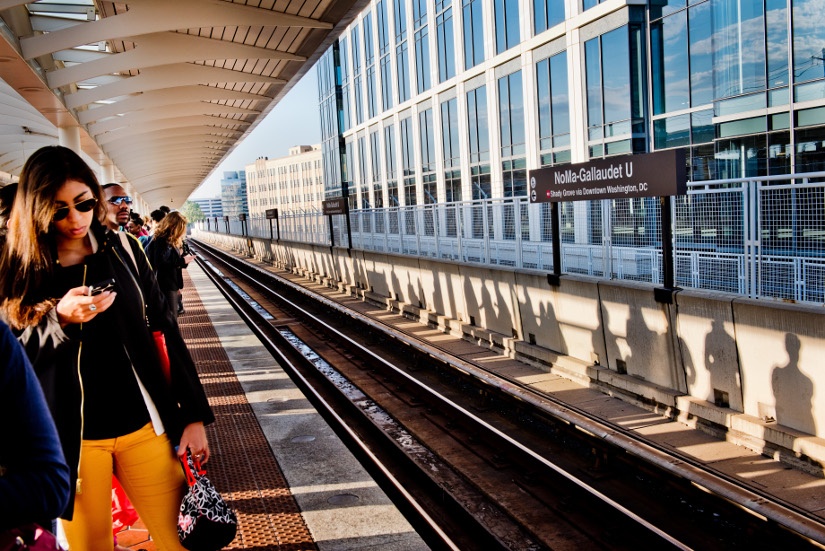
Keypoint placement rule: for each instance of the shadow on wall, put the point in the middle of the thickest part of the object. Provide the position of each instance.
(793, 391)
(547, 317)
(470, 303)
(725, 386)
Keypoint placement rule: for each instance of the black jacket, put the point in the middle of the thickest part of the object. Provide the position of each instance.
(54, 353)
(167, 263)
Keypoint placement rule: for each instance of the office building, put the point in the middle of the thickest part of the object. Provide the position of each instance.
(291, 184)
(233, 194)
(434, 102)
(211, 206)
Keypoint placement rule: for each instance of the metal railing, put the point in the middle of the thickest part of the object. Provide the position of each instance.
(757, 237)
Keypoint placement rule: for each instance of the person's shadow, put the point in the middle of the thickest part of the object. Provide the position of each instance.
(793, 391)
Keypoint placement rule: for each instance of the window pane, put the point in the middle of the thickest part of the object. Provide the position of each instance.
(507, 24)
(473, 34)
(543, 99)
(810, 149)
(701, 55)
(809, 40)
(546, 14)
(560, 96)
(517, 113)
(777, 19)
(403, 69)
(660, 8)
(672, 132)
(425, 128)
(478, 124)
(739, 45)
(616, 75)
(386, 83)
(702, 129)
(446, 49)
(670, 64)
(593, 74)
(504, 114)
(422, 60)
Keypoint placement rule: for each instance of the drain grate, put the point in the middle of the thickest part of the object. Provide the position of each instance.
(242, 466)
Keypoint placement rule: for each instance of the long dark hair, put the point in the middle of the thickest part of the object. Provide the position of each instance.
(26, 259)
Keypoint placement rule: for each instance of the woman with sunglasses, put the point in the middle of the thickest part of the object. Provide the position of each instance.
(94, 354)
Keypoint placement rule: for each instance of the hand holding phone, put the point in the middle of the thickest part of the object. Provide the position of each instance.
(105, 285)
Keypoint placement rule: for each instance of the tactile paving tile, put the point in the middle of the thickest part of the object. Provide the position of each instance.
(241, 466)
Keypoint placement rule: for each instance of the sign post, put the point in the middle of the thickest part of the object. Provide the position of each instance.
(659, 174)
(242, 218)
(272, 214)
(331, 207)
(226, 222)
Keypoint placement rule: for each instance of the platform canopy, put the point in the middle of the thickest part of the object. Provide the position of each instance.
(161, 90)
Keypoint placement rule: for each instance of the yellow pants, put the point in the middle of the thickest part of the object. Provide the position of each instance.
(151, 474)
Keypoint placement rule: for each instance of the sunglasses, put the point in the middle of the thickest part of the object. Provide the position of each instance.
(83, 206)
(119, 200)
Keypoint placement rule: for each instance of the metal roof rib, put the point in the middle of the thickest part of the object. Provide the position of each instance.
(161, 90)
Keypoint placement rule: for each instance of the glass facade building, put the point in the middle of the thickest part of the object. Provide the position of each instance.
(233, 194)
(461, 98)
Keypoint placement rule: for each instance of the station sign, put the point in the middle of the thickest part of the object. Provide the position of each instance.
(242, 217)
(335, 206)
(271, 214)
(658, 174)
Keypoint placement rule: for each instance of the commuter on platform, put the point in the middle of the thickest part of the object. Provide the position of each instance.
(94, 354)
(135, 227)
(34, 477)
(7, 194)
(165, 253)
(154, 219)
(119, 204)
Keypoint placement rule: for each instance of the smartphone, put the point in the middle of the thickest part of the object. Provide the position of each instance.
(105, 285)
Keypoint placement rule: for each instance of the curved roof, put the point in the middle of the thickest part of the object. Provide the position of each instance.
(161, 90)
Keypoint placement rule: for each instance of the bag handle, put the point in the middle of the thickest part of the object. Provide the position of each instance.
(124, 240)
(188, 461)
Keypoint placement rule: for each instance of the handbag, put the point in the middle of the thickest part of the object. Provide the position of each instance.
(29, 537)
(205, 521)
(163, 355)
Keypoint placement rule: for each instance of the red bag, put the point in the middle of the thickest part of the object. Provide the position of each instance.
(31, 537)
(123, 513)
(163, 354)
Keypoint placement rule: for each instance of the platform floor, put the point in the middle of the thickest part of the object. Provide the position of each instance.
(292, 482)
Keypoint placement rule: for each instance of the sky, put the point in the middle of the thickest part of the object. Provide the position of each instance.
(294, 121)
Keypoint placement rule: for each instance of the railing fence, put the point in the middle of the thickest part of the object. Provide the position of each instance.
(757, 237)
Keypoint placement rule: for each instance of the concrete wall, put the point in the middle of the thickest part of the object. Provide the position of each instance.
(729, 356)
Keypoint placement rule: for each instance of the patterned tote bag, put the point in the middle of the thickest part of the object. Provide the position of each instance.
(205, 521)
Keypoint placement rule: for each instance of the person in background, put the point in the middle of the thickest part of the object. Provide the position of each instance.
(94, 353)
(135, 227)
(119, 204)
(167, 259)
(34, 476)
(154, 219)
(139, 223)
(7, 194)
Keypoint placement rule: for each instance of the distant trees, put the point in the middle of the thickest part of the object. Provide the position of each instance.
(192, 211)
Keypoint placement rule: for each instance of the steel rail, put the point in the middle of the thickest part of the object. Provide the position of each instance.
(330, 415)
(469, 369)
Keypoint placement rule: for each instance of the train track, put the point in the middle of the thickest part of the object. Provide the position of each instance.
(478, 463)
